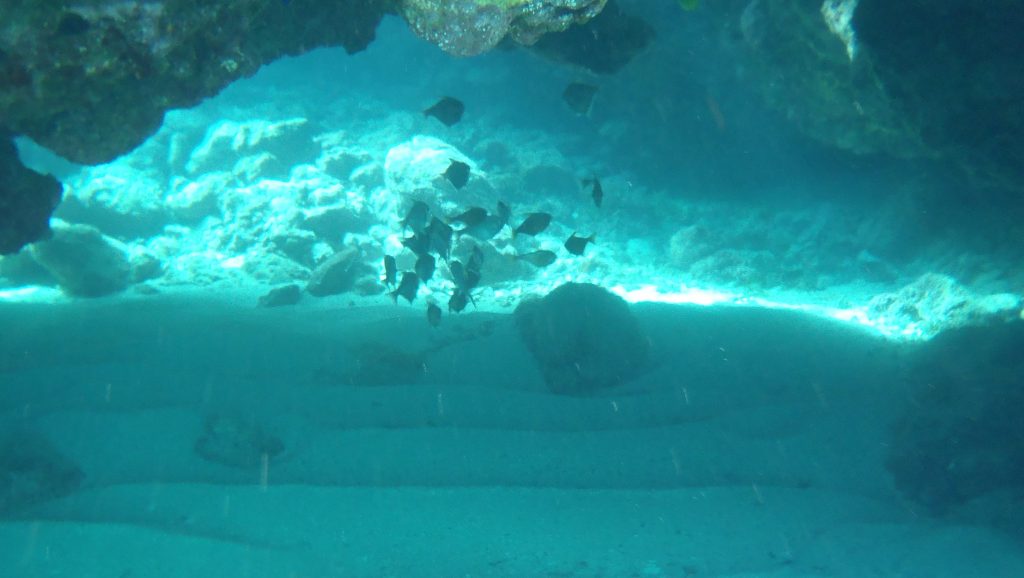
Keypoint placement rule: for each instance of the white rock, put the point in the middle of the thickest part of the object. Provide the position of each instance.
(288, 142)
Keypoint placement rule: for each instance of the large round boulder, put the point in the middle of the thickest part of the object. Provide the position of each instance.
(584, 338)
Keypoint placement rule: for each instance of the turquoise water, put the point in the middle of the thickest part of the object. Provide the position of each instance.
(773, 360)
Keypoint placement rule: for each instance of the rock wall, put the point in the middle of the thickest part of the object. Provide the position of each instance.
(92, 80)
(26, 200)
(913, 80)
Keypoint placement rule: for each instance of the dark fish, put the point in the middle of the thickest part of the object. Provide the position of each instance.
(596, 190)
(390, 271)
(576, 244)
(486, 230)
(533, 224)
(440, 237)
(418, 243)
(407, 288)
(538, 258)
(425, 266)
(504, 213)
(471, 217)
(476, 259)
(433, 314)
(579, 96)
(464, 278)
(417, 217)
(457, 174)
(458, 301)
(448, 110)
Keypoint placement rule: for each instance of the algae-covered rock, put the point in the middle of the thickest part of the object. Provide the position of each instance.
(470, 27)
(91, 80)
(603, 45)
(584, 338)
(916, 79)
(26, 200)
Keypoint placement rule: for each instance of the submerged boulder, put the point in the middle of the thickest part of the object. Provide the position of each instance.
(33, 471)
(340, 273)
(84, 262)
(584, 338)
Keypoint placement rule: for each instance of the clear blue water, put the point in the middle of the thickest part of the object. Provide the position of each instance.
(845, 406)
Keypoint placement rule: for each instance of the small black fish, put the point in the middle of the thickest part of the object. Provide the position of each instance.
(471, 217)
(407, 288)
(457, 174)
(533, 224)
(434, 314)
(538, 258)
(418, 243)
(424, 267)
(390, 271)
(464, 278)
(486, 230)
(476, 259)
(576, 244)
(448, 110)
(596, 190)
(504, 213)
(417, 217)
(579, 96)
(440, 237)
(458, 301)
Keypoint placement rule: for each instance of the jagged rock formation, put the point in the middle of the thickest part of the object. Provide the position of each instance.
(919, 80)
(91, 80)
(469, 27)
(26, 200)
(603, 45)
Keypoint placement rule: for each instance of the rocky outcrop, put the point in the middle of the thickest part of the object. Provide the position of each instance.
(26, 200)
(920, 80)
(470, 27)
(583, 337)
(603, 45)
(90, 82)
(959, 445)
